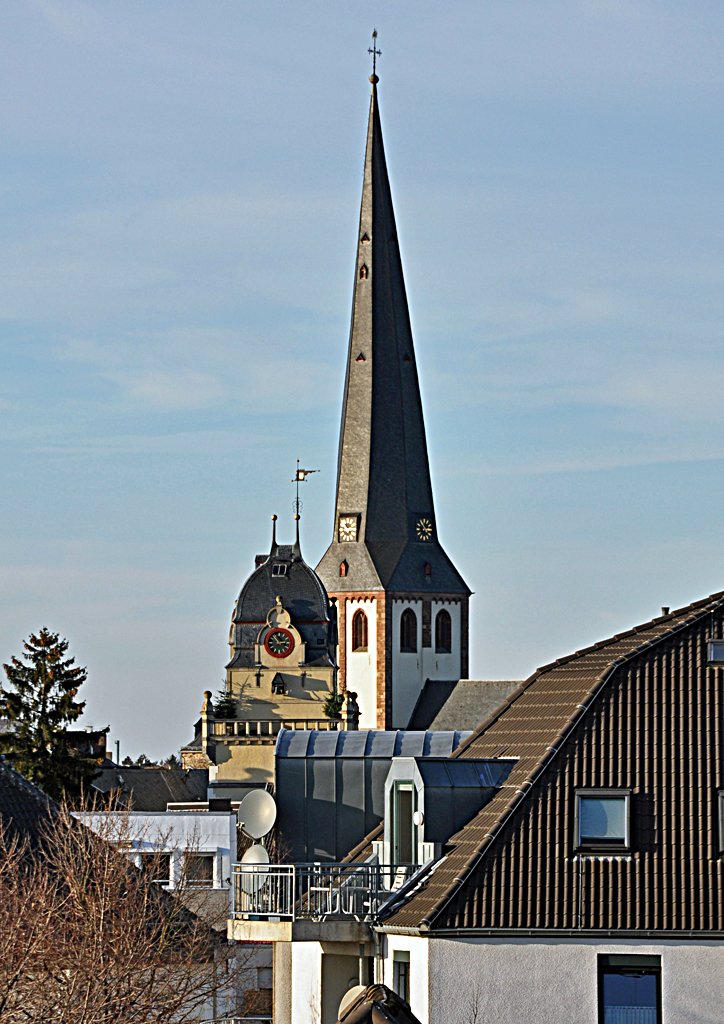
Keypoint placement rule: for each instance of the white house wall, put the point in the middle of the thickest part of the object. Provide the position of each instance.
(552, 981)
(362, 665)
(306, 982)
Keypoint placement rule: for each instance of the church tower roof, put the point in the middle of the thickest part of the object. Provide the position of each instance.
(385, 529)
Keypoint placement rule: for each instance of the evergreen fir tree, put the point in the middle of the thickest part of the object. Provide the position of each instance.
(39, 707)
(224, 705)
(333, 705)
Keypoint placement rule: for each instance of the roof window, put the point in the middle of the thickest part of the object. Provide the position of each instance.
(603, 819)
(715, 653)
(279, 569)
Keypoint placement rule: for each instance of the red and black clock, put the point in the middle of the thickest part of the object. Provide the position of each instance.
(279, 643)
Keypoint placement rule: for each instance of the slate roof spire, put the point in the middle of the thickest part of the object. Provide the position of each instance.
(383, 475)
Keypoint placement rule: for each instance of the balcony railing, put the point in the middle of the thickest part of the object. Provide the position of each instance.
(316, 891)
(271, 727)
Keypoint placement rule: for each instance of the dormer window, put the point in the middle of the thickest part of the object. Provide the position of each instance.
(279, 569)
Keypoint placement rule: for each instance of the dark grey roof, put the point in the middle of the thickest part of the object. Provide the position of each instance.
(302, 594)
(25, 810)
(151, 789)
(432, 697)
(301, 591)
(471, 702)
(367, 743)
(383, 476)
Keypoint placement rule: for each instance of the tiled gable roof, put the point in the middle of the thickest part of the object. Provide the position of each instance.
(24, 809)
(151, 789)
(531, 726)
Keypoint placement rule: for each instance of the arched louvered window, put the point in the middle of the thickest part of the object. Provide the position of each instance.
(359, 631)
(443, 632)
(408, 631)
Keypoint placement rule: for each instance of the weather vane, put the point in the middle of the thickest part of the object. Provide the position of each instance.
(375, 52)
(299, 477)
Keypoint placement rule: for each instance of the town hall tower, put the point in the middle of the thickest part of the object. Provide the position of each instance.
(402, 605)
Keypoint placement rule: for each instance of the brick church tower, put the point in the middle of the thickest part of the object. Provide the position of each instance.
(402, 605)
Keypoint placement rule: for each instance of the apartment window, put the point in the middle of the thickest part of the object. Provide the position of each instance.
(401, 973)
(199, 869)
(408, 632)
(602, 819)
(359, 631)
(156, 866)
(443, 632)
(629, 989)
(403, 826)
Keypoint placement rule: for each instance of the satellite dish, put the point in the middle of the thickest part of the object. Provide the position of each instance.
(257, 813)
(351, 996)
(253, 875)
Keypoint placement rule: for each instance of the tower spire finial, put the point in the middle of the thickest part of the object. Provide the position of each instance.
(274, 537)
(296, 549)
(375, 54)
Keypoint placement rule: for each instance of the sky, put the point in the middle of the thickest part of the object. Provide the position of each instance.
(179, 195)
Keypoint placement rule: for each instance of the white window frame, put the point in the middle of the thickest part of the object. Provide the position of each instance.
(604, 794)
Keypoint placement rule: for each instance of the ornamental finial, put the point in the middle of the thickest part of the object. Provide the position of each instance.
(375, 54)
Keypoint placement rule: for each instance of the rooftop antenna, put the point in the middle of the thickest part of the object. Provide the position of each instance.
(375, 54)
(299, 477)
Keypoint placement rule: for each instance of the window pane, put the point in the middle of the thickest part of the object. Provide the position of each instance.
(630, 998)
(602, 817)
(199, 868)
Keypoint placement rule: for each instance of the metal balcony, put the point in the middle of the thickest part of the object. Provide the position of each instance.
(315, 891)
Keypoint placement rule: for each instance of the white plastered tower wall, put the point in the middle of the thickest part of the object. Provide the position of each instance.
(407, 668)
(362, 665)
(410, 670)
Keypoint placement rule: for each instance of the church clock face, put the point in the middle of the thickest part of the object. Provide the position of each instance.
(423, 529)
(348, 527)
(279, 643)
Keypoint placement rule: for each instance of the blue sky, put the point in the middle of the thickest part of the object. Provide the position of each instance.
(179, 191)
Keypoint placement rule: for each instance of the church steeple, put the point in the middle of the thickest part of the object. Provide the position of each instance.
(385, 533)
(384, 494)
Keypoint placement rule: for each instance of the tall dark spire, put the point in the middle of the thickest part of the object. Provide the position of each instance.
(385, 527)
